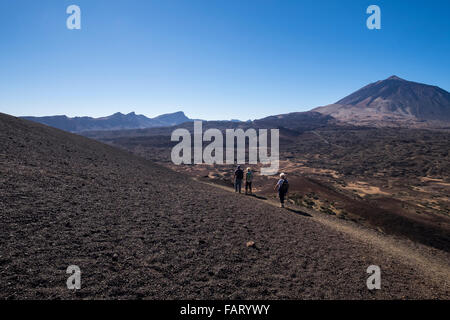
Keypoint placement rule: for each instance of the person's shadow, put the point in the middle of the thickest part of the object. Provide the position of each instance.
(258, 197)
(299, 212)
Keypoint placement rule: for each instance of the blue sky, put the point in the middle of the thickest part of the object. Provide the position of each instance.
(212, 59)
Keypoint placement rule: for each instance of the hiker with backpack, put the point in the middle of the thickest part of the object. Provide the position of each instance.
(282, 187)
(248, 181)
(238, 177)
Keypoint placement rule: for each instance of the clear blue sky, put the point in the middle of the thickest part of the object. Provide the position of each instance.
(212, 59)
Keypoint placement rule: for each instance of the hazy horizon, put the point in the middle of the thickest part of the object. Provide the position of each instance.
(176, 111)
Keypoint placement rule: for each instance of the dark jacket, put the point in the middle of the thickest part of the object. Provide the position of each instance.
(239, 174)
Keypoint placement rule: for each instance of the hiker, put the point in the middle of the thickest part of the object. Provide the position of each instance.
(282, 187)
(248, 181)
(238, 177)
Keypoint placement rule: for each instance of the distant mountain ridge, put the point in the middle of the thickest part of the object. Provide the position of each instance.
(392, 101)
(117, 121)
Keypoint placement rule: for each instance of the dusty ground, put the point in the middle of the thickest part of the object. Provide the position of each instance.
(388, 209)
(394, 181)
(138, 230)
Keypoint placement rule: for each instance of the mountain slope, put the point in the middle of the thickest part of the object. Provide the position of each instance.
(138, 230)
(172, 119)
(292, 123)
(297, 121)
(391, 101)
(117, 121)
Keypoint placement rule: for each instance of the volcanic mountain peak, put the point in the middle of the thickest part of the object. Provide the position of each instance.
(394, 77)
(392, 101)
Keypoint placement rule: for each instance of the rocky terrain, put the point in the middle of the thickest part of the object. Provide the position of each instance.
(379, 156)
(391, 179)
(139, 230)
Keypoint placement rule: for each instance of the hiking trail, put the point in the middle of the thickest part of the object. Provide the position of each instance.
(434, 266)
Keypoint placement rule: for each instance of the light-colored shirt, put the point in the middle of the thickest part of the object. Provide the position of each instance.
(280, 183)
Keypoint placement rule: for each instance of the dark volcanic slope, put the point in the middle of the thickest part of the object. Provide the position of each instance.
(138, 230)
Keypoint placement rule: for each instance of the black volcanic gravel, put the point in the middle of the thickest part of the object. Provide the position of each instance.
(138, 230)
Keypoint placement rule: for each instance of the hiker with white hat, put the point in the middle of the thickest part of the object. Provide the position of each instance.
(282, 187)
